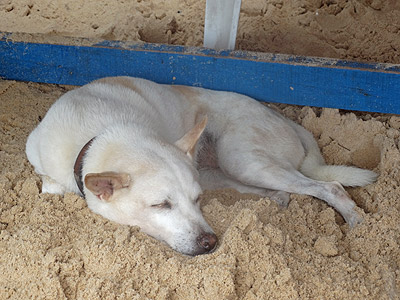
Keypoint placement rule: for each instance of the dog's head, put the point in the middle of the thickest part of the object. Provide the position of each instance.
(159, 193)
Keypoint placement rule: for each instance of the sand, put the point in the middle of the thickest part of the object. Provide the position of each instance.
(54, 247)
(364, 30)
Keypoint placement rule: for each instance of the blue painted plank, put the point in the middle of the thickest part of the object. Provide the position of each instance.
(265, 77)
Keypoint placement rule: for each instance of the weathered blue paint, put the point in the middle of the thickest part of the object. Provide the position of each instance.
(266, 77)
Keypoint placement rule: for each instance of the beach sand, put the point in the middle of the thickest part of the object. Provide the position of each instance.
(54, 247)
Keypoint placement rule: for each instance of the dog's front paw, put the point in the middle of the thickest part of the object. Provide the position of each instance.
(280, 197)
(50, 186)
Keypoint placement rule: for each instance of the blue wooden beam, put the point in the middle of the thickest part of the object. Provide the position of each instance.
(266, 77)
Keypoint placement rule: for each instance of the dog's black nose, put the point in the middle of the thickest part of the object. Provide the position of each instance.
(207, 242)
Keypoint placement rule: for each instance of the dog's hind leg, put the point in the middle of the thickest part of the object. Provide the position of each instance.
(262, 169)
(292, 181)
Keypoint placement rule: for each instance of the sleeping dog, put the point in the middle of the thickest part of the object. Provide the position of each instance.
(142, 152)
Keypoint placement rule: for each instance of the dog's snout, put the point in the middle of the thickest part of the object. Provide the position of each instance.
(207, 242)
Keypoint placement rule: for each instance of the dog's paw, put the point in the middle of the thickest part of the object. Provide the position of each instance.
(280, 197)
(51, 187)
(353, 219)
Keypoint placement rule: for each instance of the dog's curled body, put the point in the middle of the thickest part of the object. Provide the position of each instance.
(140, 168)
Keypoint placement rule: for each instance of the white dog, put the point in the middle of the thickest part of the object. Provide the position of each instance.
(142, 152)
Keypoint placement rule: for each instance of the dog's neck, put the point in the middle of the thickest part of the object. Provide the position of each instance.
(79, 164)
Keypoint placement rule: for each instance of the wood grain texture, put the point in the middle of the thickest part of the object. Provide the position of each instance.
(266, 77)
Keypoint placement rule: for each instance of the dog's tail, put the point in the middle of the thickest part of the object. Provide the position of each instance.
(347, 176)
(314, 166)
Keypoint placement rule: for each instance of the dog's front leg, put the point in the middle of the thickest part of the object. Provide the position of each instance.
(212, 179)
(51, 186)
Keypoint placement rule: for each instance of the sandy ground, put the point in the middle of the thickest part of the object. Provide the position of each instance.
(53, 247)
(364, 30)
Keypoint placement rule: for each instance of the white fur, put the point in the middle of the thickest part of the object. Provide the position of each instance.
(137, 124)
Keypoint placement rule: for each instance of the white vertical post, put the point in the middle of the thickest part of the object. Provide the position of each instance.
(221, 23)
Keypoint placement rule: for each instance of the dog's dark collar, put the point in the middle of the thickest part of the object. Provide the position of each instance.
(78, 166)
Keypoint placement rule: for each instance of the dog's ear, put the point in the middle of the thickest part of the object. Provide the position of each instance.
(188, 142)
(104, 184)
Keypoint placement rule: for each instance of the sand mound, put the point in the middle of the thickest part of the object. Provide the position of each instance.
(53, 247)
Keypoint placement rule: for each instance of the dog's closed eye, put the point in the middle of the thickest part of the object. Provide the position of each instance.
(165, 204)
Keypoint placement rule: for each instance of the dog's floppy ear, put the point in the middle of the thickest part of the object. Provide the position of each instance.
(104, 184)
(188, 142)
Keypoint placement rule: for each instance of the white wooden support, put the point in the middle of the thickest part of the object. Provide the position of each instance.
(221, 23)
